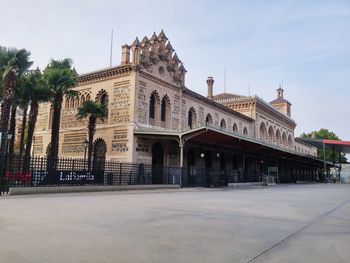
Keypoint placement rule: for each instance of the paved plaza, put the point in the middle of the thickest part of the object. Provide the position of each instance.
(284, 223)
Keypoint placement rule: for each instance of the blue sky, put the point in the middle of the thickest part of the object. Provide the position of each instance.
(303, 44)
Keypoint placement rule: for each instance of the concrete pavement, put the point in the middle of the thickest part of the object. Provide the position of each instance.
(284, 223)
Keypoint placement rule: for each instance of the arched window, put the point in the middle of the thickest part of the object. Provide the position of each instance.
(104, 99)
(152, 104)
(245, 131)
(271, 134)
(290, 141)
(284, 139)
(66, 105)
(262, 132)
(192, 118)
(209, 119)
(235, 128)
(88, 97)
(278, 139)
(222, 124)
(165, 112)
(71, 105)
(82, 99)
(77, 102)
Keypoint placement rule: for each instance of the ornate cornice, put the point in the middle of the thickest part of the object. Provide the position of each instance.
(158, 80)
(105, 74)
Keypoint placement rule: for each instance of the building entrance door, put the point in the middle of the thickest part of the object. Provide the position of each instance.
(157, 163)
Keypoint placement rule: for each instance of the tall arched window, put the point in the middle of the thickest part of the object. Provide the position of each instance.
(192, 118)
(77, 102)
(235, 128)
(154, 107)
(209, 119)
(82, 99)
(222, 124)
(284, 139)
(245, 131)
(152, 104)
(66, 105)
(271, 134)
(290, 141)
(262, 132)
(165, 112)
(102, 98)
(278, 137)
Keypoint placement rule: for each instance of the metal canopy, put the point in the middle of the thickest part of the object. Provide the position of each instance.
(338, 146)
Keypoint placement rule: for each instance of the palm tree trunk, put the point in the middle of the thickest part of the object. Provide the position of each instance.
(8, 96)
(91, 132)
(57, 103)
(12, 129)
(23, 128)
(33, 115)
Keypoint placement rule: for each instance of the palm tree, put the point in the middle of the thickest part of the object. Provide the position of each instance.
(94, 111)
(60, 78)
(13, 63)
(36, 90)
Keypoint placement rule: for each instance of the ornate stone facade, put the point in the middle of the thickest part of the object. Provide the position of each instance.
(147, 94)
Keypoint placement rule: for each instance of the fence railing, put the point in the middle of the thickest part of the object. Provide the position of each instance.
(42, 171)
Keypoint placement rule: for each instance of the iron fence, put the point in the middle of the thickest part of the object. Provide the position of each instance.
(42, 171)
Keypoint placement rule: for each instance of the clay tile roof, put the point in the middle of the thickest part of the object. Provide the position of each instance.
(279, 100)
(226, 96)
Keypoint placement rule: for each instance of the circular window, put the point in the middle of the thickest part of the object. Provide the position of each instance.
(161, 71)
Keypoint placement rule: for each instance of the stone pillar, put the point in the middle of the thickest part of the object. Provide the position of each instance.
(181, 162)
(210, 83)
(125, 55)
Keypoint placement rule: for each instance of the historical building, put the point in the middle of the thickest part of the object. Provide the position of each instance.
(153, 118)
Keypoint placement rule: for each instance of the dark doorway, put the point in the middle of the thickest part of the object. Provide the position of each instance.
(99, 156)
(208, 177)
(191, 169)
(223, 179)
(157, 163)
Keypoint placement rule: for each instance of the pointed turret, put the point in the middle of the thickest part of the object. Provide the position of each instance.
(154, 38)
(182, 68)
(169, 46)
(136, 43)
(144, 41)
(176, 58)
(162, 36)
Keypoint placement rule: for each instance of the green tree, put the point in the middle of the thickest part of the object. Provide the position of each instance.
(36, 90)
(325, 134)
(13, 63)
(94, 111)
(60, 78)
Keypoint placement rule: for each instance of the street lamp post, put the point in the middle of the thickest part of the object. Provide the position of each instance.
(86, 144)
(9, 137)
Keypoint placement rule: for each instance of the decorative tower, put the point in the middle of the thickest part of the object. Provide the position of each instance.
(210, 83)
(281, 104)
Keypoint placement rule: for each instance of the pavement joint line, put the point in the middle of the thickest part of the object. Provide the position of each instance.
(317, 219)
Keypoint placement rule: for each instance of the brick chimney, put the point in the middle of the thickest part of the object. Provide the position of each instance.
(125, 55)
(210, 83)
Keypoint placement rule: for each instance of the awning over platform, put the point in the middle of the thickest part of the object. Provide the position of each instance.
(338, 146)
(232, 141)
